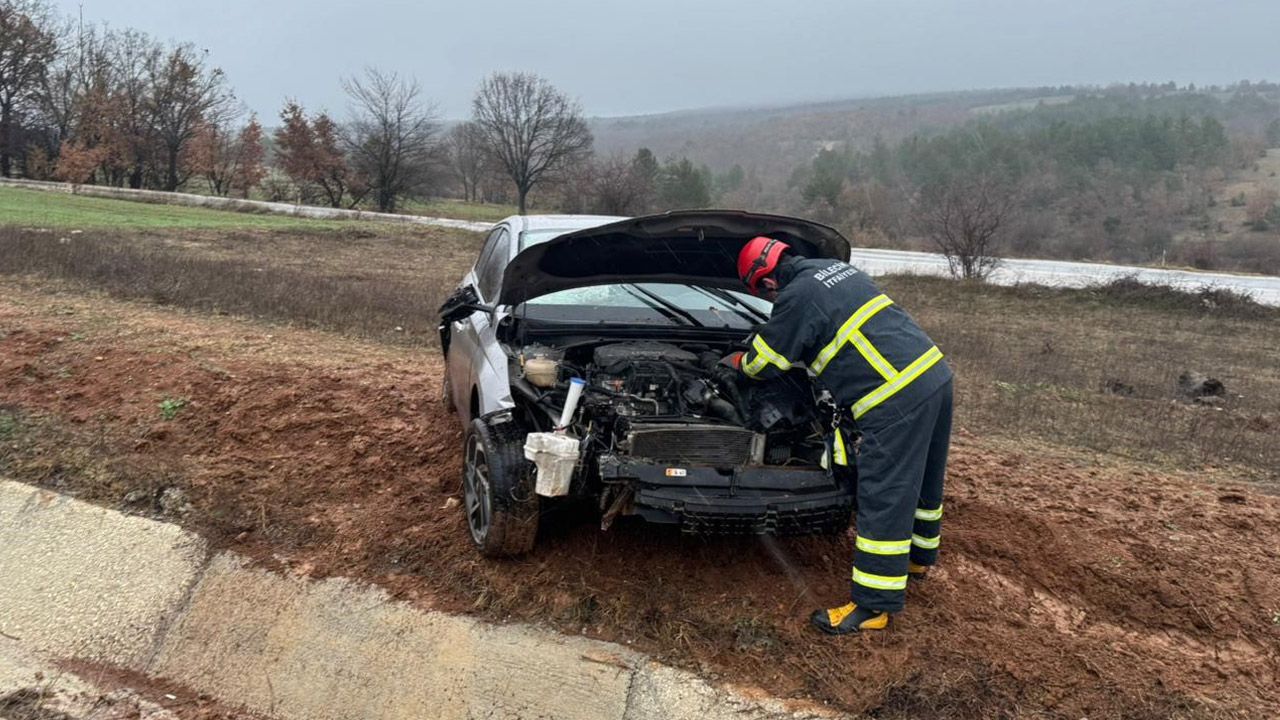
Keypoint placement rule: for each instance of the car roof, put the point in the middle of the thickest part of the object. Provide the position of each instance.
(568, 223)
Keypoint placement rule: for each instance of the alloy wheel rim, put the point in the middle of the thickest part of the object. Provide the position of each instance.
(476, 490)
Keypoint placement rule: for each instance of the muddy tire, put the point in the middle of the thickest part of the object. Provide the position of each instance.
(498, 499)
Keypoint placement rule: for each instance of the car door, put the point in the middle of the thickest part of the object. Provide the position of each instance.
(468, 355)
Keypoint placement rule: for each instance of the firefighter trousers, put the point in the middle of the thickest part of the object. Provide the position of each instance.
(900, 474)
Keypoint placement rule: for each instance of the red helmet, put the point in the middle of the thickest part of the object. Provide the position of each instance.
(758, 258)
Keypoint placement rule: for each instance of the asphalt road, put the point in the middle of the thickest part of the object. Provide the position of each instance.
(1058, 273)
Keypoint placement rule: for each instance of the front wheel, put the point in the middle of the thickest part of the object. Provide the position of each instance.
(497, 488)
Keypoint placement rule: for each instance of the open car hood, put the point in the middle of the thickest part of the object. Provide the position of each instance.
(697, 247)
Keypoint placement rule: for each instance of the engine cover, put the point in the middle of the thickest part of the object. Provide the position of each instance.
(608, 356)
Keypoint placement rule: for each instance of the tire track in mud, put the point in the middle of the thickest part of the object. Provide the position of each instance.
(1076, 620)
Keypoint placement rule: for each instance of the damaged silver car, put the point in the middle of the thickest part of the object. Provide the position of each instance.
(582, 358)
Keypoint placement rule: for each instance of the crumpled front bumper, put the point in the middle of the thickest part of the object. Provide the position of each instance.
(766, 500)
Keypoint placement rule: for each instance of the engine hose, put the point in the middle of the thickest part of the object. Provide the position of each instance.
(538, 399)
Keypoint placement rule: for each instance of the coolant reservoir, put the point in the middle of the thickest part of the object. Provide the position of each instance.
(541, 371)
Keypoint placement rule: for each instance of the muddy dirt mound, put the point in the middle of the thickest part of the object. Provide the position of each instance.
(1065, 590)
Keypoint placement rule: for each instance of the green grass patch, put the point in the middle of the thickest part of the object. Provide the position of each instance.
(8, 424)
(170, 407)
(37, 209)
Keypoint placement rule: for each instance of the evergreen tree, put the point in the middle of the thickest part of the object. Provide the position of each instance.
(683, 186)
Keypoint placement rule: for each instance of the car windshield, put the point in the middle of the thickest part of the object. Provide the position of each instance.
(651, 303)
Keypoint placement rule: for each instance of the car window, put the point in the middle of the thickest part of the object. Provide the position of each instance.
(652, 303)
(492, 262)
(529, 238)
(688, 297)
(486, 249)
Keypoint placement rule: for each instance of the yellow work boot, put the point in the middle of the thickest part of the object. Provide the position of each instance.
(848, 619)
(917, 572)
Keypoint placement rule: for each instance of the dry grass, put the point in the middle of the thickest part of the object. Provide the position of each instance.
(356, 282)
(1043, 364)
(1033, 363)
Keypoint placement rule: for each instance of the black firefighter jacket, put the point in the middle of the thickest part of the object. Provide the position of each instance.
(867, 351)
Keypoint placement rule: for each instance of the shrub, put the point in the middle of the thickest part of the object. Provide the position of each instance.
(1203, 299)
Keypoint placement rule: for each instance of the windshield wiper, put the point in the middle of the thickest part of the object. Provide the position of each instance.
(752, 313)
(671, 307)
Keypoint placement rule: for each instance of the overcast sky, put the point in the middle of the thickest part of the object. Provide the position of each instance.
(646, 56)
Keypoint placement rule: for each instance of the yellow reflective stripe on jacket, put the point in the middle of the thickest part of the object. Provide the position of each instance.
(924, 514)
(873, 357)
(846, 331)
(764, 356)
(926, 543)
(838, 452)
(883, 547)
(880, 582)
(903, 379)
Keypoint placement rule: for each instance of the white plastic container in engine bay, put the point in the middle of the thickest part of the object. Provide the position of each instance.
(556, 453)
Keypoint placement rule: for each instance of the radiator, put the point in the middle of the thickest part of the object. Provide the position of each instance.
(709, 445)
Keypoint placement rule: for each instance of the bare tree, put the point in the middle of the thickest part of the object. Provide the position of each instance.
(967, 218)
(530, 128)
(619, 187)
(28, 45)
(392, 135)
(62, 86)
(465, 151)
(111, 101)
(185, 95)
(574, 188)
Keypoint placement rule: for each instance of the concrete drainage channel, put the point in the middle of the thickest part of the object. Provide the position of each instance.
(80, 582)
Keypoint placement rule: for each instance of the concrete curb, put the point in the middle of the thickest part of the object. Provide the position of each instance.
(236, 205)
(86, 582)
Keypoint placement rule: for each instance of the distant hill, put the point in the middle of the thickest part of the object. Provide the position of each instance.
(774, 140)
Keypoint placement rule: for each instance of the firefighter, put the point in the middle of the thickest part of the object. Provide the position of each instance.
(888, 378)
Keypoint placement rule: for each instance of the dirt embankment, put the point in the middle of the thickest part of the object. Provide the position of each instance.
(1068, 588)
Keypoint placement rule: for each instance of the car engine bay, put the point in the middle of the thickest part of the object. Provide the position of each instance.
(674, 403)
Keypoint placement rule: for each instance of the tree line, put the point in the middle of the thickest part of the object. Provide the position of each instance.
(1124, 173)
(1097, 178)
(118, 107)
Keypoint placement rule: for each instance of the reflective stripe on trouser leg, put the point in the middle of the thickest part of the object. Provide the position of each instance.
(926, 535)
(880, 566)
(926, 532)
(879, 581)
(893, 462)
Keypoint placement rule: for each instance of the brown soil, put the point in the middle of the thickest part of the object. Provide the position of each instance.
(127, 689)
(1070, 586)
(116, 695)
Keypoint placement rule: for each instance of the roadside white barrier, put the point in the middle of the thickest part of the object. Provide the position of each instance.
(1264, 289)
(236, 205)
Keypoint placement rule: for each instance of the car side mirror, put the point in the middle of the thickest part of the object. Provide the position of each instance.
(462, 303)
